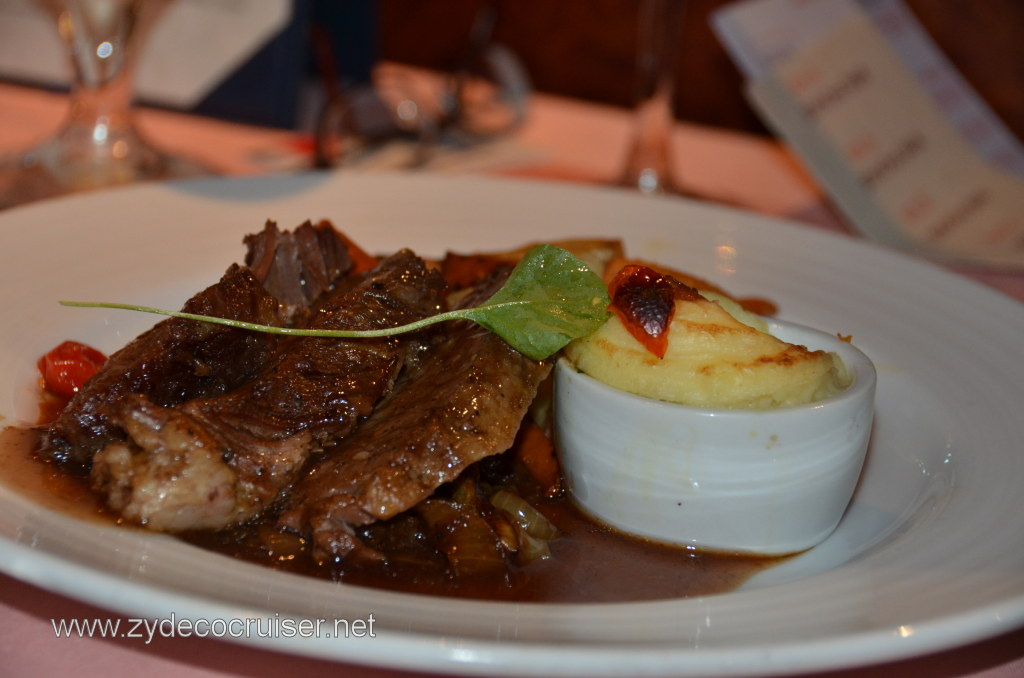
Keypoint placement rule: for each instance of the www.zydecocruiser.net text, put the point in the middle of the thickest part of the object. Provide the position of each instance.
(254, 627)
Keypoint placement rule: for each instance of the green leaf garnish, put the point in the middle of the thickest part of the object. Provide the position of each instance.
(549, 299)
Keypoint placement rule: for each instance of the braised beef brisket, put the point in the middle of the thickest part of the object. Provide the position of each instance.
(297, 267)
(215, 461)
(175, 361)
(178, 360)
(195, 426)
(463, 400)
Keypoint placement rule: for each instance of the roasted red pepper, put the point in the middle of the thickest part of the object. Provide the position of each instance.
(645, 301)
(66, 368)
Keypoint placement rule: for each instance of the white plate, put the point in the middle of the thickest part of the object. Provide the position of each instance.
(930, 554)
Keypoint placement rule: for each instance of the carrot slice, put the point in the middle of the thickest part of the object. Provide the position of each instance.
(537, 452)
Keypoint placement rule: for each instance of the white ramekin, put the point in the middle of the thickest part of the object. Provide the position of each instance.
(747, 481)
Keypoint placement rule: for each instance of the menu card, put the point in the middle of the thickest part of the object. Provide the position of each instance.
(902, 144)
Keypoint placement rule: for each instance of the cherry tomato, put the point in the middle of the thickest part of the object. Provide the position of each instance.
(66, 368)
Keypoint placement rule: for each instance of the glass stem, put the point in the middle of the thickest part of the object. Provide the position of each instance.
(649, 164)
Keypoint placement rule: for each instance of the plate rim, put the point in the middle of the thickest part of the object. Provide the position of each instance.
(1001, 617)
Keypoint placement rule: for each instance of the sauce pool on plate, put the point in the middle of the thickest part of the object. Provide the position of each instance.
(590, 562)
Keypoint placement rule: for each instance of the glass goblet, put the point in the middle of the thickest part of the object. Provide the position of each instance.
(649, 159)
(98, 144)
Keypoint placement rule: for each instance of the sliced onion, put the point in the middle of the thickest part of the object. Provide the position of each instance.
(466, 539)
(532, 521)
(531, 548)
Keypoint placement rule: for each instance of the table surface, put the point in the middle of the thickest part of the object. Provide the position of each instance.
(561, 140)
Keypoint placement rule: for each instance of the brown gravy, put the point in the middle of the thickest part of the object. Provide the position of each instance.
(590, 563)
(42, 482)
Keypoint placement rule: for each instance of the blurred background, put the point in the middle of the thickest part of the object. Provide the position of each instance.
(586, 49)
(345, 78)
(583, 49)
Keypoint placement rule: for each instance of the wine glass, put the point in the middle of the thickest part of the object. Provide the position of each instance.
(648, 162)
(482, 99)
(98, 144)
(359, 119)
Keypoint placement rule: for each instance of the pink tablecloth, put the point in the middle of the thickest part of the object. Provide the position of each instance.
(563, 140)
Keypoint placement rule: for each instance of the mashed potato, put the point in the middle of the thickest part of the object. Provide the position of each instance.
(715, 358)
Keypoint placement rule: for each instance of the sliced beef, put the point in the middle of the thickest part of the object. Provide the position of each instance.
(174, 361)
(297, 266)
(217, 461)
(462, 401)
(178, 360)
